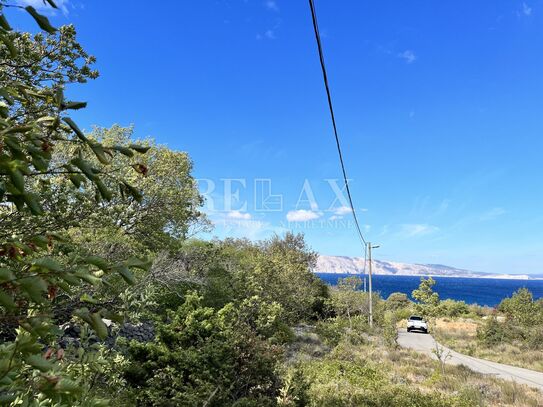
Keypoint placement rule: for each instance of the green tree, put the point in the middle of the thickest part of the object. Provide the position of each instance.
(280, 269)
(522, 309)
(397, 301)
(427, 299)
(348, 300)
(37, 265)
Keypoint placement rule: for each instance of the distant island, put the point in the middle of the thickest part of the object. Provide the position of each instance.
(355, 265)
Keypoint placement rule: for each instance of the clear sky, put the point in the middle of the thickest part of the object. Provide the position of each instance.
(439, 107)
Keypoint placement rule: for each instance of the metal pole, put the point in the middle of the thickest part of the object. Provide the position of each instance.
(370, 288)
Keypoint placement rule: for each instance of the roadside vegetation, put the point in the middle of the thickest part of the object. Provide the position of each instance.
(108, 299)
(510, 334)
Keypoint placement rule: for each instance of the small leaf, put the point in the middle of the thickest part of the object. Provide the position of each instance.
(124, 150)
(104, 191)
(34, 287)
(143, 264)
(47, 263)
(99, 262)
(87, 298)
(74, 105)
(134, 192)
(32, 203)
(98, 325)
(17, 200)
(139, 148)
(6, 300)
(39, 163)
(17, 179)
(70, 278)
(42, 21)
(40, 241)
(85, 168)
(6, 95)
(67, 386)
(9, 44)
(75, 129)
(126, 274)
(99, 152)
(6, 275)
(4, 23)
(38, 362)
(76, 179)
(52, 3)
(86, 275)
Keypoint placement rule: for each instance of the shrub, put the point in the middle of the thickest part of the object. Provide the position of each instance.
(535, 338)
(522, 309)
(397, 301)
(345, 383)
(492, 332)
(452, 308)
(204, 354)
(390, 330)
(333, 330)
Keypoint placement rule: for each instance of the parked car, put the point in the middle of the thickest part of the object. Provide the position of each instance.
(417, 323)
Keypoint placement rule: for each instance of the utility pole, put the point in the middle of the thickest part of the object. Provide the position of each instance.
(370, 283)
(370, 289)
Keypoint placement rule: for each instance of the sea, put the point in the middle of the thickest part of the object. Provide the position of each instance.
(482, 291)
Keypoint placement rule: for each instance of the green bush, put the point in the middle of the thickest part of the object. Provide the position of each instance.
(492, 332)
(521, 308)
(535, 338)
(333, 330)
(397, 301)
(390, 330)
(204, 354)
(452, 308)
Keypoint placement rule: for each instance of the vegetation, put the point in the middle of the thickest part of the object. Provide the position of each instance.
(511, 334)
(217, 323)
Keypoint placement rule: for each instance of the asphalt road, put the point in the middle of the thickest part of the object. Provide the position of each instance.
(425, 343)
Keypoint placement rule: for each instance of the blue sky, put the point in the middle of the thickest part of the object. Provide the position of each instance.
(439, 107)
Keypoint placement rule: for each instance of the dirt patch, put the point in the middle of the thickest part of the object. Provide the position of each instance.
(461, 325)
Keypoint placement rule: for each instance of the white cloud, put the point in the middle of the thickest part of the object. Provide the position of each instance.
(492, 214)
(239, 215)
(526, 10)
(417, 229)
(271, 5)
(302, 215)
(342, 210)
(270, 34)
(42, 6)
(408, 56)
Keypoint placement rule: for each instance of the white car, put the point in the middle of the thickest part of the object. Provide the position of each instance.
(416, 323)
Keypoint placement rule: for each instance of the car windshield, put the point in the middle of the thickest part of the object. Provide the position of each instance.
(415, 318)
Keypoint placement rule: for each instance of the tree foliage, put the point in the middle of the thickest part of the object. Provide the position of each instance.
(204, 355)
(427, 299)
(38, 264)
(521, 309)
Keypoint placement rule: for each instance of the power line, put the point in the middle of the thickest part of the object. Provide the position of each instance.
(325, 77)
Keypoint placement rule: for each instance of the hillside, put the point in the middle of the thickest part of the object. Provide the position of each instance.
(355, 265)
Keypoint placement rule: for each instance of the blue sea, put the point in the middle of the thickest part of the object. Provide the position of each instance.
(482, 291)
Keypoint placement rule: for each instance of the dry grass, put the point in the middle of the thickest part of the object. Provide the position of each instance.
(414, 369)
(408, 368)
(461, 335)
